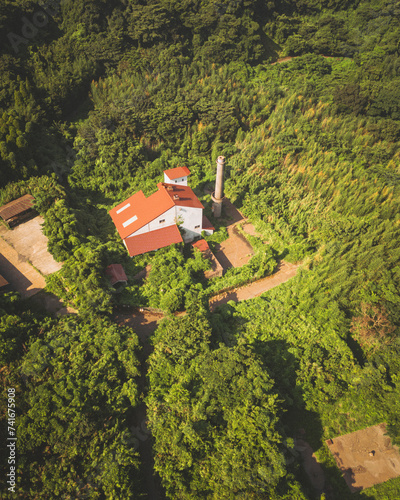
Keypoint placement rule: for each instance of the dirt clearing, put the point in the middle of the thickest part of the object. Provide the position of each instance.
(236, 251)
(30, 243)
(23, 278)
(143, 323)
(366, 457)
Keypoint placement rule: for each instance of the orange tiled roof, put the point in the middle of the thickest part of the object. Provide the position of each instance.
(181, 196)
(136, 211)
(153, 240)
(201, 245)
(176, 173)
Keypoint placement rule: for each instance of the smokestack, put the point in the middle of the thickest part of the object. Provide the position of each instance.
(218, 194)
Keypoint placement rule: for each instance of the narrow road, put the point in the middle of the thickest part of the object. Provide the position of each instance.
(285, 273)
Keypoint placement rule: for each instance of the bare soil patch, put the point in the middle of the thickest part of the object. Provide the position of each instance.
(366, 457)
(285, 272)
(236, 251)
(143, 323)
(23, 278)
(311, 466)
(31, 244)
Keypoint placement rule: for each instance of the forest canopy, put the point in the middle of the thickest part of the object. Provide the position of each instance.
(97, 99)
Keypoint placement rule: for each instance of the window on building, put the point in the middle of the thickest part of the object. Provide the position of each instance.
(161, 221)
(176, 181)
(197, 227)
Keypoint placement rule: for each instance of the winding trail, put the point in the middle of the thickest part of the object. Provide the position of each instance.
(285, 273)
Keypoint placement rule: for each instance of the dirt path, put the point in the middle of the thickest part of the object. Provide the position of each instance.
(144, 323)
(311, 466)
(22, 277)
(286, 272)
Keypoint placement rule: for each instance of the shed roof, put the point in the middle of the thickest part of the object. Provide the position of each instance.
(133, 213)
(181, 196)
(201, 245)
(153, 240)
(176, 173)
(16, 207)
(3, 281)
(116, 273)
(206, 224)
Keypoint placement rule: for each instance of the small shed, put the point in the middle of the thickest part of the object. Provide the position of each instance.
(18, 210)
(116, 274)
(216, 268)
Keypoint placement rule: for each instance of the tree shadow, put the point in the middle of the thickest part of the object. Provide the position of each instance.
(222, 258)
(17, 281)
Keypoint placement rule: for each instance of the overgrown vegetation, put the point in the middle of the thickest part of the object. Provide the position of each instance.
(94, 107)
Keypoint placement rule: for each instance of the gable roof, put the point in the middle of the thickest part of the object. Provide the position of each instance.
(181, 196)
(116, 274)
(136, 211)
(176, 173)
(17, 207)
(153, 240)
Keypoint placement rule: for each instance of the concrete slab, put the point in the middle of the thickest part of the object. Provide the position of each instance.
(30, 243)
(23, 278)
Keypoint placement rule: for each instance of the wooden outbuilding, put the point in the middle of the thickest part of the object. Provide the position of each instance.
(116, 274)
(18, 210)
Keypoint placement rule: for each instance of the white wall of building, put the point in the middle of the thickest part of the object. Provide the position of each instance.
(192, 219)
(164, 220)
(189, 218)
(182, 181)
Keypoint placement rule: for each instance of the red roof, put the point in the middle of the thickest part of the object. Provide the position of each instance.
(136, 211)
(176, 173)
(116, 273)
(181, 196)
(153, 240)
(206, 224)
(201, 245)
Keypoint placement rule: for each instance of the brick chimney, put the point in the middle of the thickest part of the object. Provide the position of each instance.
(218, 194)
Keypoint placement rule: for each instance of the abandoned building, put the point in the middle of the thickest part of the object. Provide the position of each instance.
(147, 224)
(18, 211)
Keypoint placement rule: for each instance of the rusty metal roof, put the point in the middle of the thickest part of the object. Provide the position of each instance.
(116, 273)
(16, 207)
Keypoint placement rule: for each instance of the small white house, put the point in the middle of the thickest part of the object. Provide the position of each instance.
(147, 224)
(177, 175)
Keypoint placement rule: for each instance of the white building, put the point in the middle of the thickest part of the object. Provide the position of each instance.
(177, 175)
(147, 224)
